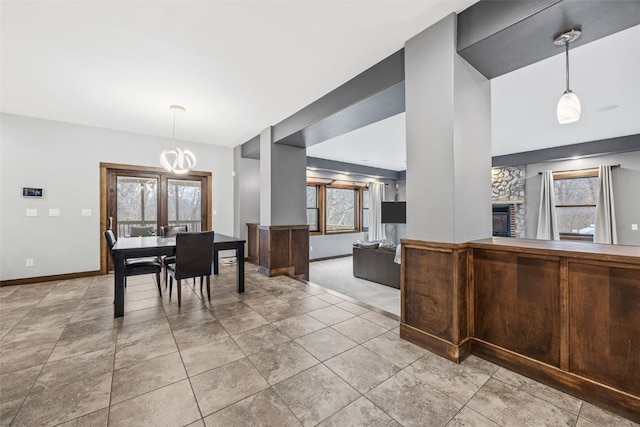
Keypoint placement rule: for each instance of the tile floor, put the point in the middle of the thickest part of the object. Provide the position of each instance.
(337, 274)
(284, 353)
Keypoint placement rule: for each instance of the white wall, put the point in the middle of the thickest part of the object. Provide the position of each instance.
(247, 192)
(64, 160)
(626, 181)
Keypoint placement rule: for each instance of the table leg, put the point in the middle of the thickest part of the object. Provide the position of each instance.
(118, 282)
(216, 259)
(240, 267)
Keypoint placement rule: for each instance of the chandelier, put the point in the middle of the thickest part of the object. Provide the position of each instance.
(175, 159)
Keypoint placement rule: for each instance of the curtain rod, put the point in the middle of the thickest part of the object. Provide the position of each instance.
(332, 180)
(580, 170)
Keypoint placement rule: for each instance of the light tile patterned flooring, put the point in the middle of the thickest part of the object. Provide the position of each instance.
(282, 354)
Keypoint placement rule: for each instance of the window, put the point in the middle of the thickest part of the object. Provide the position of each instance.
(365, 209)
(337, 208)
(340, 209)
(184, 203)
(313, 218)
(576, 196)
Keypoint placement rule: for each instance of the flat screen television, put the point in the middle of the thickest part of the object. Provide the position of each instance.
(394, 212)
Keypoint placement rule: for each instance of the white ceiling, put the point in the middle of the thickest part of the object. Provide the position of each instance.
(380, 145)
(604, 75)
(237, 66)
(241, 66)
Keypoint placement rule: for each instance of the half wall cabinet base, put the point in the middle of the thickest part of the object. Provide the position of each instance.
(564, 313)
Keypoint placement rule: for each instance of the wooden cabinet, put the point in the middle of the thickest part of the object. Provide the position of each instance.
(565, 313)
(517, 303)
(253, 243)
(604, 323)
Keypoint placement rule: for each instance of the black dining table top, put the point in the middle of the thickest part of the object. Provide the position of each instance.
(157, 241)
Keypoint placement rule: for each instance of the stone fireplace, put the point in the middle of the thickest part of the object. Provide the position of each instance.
(508, 186)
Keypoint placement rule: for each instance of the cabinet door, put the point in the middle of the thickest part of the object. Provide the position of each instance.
(604, 324)
(517, 303)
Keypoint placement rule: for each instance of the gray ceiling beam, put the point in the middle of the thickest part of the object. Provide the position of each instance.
(251, 148)
(620, 144)
(341, 167)
(373, 95)
(498, 37)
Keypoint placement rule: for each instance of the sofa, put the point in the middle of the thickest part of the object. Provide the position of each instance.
(375, 262)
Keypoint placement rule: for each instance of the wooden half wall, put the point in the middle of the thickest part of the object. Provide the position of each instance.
(564, 313)
(284, 250)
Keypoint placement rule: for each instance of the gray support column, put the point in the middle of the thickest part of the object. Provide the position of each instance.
(448, 113)
(283, 233)
(282, 182)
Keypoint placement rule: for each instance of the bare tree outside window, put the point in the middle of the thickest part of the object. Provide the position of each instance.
(137, 203)
(576, 198)
(365, 209)
(312, 207)
(184, 203)
(340, 209)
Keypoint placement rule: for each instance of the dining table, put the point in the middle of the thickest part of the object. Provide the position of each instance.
(151, 246)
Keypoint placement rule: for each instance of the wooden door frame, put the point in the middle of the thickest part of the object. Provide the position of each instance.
(105, 168)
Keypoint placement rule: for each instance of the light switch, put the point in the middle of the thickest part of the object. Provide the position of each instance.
(32, 212)
(86, 212)
(214, 212)
(634, 227)
(54, 212)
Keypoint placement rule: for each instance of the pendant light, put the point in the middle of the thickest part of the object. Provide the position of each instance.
(175, 159)
(569, 108)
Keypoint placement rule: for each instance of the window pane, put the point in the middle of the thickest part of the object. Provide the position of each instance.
(183, 204)
(576, 191)
(312, 219)
(365, 209)
(312, 196)
(136, 204)
(341, 204)
(576, 220)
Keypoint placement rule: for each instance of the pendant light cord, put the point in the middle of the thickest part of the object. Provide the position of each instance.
(566, 44)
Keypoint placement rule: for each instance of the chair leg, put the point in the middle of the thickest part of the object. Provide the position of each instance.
(170, 285)
(158, 281)
(208, 287)
(200, 285)
(166, 274)
(178, 284)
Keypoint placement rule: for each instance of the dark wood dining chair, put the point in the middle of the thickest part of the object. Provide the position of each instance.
(141, 231)
(194, 258)
(171, 231)
(136, 266)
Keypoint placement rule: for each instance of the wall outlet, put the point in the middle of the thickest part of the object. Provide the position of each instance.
(29, 262)
(634, 227)
(54, 212)
(86, 212)
(32, 212)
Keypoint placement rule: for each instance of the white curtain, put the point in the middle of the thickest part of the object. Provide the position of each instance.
(547, 223)
(376, 197)
(605, 210)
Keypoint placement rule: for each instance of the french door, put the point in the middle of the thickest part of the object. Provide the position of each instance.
(139, 200)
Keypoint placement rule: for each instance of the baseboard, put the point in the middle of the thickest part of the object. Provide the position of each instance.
(608, 397)
(330, 257)
(437, 345)
(54, 277)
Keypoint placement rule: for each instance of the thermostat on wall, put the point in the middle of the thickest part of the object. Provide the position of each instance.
(32, 192)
